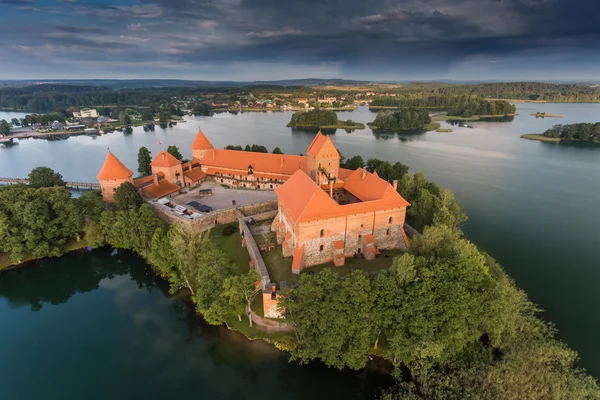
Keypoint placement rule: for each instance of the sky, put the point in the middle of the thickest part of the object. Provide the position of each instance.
(245, 40)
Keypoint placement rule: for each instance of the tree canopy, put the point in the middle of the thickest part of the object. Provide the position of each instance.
(45, 177)
(411, 119)
(174, 151)
(144, 161)
(585, 132)
(128, 196)
(313, 119)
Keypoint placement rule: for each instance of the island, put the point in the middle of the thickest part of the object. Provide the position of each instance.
(405, 120)
(545, 115)
(581, 132)
(324, 119)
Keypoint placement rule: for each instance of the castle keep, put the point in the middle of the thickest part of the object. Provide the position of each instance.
(325, 213)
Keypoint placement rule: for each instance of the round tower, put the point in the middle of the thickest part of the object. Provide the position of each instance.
(201, 146)
(112, 175)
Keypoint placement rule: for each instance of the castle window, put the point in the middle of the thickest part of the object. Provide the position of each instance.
(361, 225)
(359, 250)
(321, 248)
(387, 233)
(322, 232)
(271, 186)
(390, 220)
(359, 236)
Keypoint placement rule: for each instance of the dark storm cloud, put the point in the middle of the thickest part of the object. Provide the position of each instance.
(378, 35)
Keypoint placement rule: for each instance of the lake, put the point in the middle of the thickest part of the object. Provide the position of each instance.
(531, 205)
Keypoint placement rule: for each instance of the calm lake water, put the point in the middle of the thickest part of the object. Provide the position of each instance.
(533, 206)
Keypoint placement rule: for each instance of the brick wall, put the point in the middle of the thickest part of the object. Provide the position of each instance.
(108, 188)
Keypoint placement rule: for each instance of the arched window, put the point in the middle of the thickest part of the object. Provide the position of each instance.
(359, 236)
(361, 225)
(359, 250)
(390, 220)
(387, 233)
(321, 248)
(322, 232)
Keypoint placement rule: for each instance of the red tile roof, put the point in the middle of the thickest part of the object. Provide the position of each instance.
(343, 173)
(306, 201)
(316, 144)
(147, 180)
(164, 188)
(194, 174)
(165, 159)
(282, 164)
(201, 142)
(113, 169)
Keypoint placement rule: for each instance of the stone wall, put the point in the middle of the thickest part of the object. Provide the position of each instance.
(264, 210)
(410, 231)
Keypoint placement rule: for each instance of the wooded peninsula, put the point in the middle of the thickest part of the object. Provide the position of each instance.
(445, 315)
(581, 132)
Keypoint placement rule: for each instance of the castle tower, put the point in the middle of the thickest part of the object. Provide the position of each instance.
(112, 175)
(166, 163)
(323, 160)
(201, 146)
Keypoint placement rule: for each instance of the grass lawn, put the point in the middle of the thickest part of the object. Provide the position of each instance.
(383, 262)
(254, 332)
(432, 126)
(280, 269)
(232, 246)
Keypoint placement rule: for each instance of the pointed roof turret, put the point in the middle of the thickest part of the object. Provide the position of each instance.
(113, 169)
(165, 159)
(318, 143)
(201, 142)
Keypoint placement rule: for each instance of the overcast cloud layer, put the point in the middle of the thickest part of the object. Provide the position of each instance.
(280, 39)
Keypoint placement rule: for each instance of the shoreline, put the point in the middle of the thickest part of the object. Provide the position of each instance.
(547, 139)
(544, 115)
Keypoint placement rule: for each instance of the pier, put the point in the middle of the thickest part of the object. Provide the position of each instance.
(70, 185)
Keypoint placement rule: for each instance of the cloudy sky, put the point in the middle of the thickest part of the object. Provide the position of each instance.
(282, 39)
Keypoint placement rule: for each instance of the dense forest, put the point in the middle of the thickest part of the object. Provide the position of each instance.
(313, 119)
(409, 119)
(585, 132)
(550, 92)
(482, 107)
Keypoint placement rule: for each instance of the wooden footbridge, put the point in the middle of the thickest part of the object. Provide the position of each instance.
(70, 185)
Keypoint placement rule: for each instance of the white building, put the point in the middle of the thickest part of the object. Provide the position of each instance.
(85, 114)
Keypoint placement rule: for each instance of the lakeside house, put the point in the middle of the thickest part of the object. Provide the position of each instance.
(85, 113)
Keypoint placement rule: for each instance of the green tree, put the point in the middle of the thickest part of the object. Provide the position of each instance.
(257, 148)
(144, 160)
(332, 318)
(147, 115)
(355, 163)
(240, 290)
(232, 147)
(15, 122)
(174, 151)
(277, 150)
(163, 258)
(45, 177)
(128, 196)
(37, 222)
(90, 204)
(247, 148)
(4, 127)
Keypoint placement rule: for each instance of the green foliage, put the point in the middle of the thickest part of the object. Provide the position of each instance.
(147, 115)
(584, 132)
(247, 148)
(4, 127)
(232, 147)
(91, 204)
(411, 119)
(482, 107)
(201, 109)
(174, 151)
(277, 150)
(128, 197)
(354, 163)
(163, 257)
(37, 222)
(239, 290)
(131, 228)
(257, 148)
(331, 317)
(45, 177)
(313, 119)
(124, 118)
(144, 160)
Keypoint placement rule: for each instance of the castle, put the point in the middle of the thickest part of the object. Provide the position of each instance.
(325, 213)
